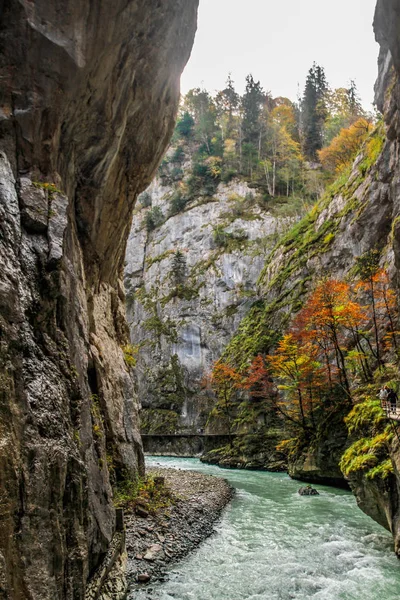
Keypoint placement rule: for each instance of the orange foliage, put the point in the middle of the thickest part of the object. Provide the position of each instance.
(296, 367)
(345, 146)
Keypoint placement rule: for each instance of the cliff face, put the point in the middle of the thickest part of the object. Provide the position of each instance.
(89, 94)
(182, 316)
(360, 213)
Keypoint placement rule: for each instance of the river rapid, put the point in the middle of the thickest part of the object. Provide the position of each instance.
(272, 544)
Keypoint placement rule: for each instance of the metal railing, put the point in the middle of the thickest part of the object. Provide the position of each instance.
(392, 409)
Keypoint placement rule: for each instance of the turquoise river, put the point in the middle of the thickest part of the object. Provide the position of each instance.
(272, 544)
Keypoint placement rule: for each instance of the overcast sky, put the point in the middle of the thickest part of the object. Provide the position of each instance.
(278, 40)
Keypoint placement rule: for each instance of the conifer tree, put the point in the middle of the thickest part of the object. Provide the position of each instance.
(314, 111)
(178, 268)
(252, 103)
(227, 103)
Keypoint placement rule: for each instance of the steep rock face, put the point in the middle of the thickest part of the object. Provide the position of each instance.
(88, 99)
(359, 214)
(183, 326)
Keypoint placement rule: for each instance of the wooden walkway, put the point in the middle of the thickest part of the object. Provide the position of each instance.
(392, 412)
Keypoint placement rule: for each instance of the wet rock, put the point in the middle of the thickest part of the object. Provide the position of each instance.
(141, 512)
(193, 493)
(80, 137)
(143, 578)
(153, 552)
(308, 491)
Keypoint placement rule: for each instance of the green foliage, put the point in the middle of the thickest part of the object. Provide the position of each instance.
(158, 421)
(185, 126)
(147, 492)
(167, 385)
(202, 182)
(254, 336)
(382, 471)
(368, 455)
(130, 354)
(229, 241)
(159, 258)
(178, 267)
(161, 327)
(373, 148)
(178, 203)
(314, 111)
(145, 199)
(154, 218)
(365, 416)
(367, 265)
(179, 155)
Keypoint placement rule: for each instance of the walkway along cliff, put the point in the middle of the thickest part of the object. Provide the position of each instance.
(89, 94)
(359, 214)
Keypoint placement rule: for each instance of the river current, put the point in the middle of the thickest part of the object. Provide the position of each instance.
(272, 544)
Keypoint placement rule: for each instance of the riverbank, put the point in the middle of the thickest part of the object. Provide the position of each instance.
(156, 541)
(275, 543)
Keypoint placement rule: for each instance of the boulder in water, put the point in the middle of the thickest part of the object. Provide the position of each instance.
(307, 490)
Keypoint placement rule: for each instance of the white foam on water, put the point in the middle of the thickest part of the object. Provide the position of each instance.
(272, 544)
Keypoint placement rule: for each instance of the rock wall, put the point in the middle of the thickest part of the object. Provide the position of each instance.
(182, 328)
(359, 214)
(89, 93)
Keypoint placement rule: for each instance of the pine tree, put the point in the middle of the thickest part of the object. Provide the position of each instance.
(252, 103)
(227, 103)
(178, 268)
(355, 107)
(314, 111)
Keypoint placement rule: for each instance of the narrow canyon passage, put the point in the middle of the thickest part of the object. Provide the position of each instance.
(273, 544)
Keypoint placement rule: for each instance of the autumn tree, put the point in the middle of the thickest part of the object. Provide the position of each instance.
(344, 108)
(299, 376)
(332, 312)
(374, 284)
(344, 147)
(225, 381)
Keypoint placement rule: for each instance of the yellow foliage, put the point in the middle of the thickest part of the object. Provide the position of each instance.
(344, 147)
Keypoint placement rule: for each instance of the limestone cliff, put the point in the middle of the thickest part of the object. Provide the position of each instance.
(89, 93)
(183, 315)
(358, 214)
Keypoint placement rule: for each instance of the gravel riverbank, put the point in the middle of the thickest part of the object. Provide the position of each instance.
(154, 542)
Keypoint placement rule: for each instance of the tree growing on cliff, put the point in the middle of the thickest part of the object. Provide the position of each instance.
(178, 268)
(314, 111)
(330, 311)
(374, 283)
(225, 382)
(345, 146)
(227, 103)
(298, 373)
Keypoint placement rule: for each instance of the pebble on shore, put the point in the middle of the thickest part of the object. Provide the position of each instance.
(155, 541)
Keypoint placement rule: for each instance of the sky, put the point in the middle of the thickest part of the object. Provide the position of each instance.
(278, 40)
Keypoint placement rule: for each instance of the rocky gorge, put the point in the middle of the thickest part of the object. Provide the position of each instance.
(89, 94)
(89, 98)
(356, 216)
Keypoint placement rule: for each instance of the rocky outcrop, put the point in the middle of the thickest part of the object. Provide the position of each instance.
(89, 93)
(360, 213)
(181, 325)
(171, 532)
